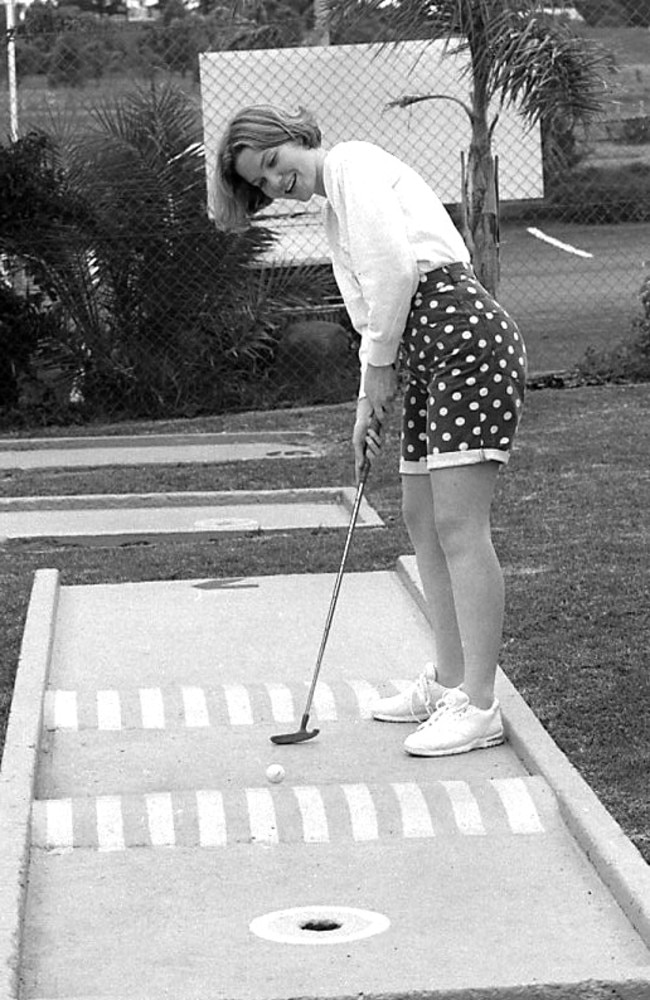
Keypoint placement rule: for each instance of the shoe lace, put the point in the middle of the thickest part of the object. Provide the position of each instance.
(449, 703)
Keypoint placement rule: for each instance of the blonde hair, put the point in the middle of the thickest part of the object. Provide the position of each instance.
(260, 126)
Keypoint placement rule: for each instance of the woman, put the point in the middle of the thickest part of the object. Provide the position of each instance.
(405, 276)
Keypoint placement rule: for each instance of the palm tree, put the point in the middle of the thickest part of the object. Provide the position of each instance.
(517, 56)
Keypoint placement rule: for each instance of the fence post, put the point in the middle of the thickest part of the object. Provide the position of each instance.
(10, 10)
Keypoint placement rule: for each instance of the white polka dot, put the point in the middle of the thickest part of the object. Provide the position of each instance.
(482, 343)
(442, 386)
(440, 346)
(484, 367)
(489, 315)
(410, 448)
(457, 396)
(413, 400)
(503, 363)
(478, 304)
(467, 335)
(473, 406)
(507, 415)
(515, 335)
(470, 381)
(493, 429)
(433, 425)
(427, 338)
(509, 390)
(422, 437)
(460, 421)
(522, 362)
(449, 328)
(476, 430)
(504, 325)
(450, 309)
(483, 392)
(473, 319)
(422, 413)
(498, 378)
(470, 358)
(498, 338)
(436, 451)
(434, 303)
(504, 441)
(511, 349)
(424, 320)
(443, 411)
(411, 424)
(463, 446)
(455, 372)
(496, 404)
(446, 436)
(472, 291)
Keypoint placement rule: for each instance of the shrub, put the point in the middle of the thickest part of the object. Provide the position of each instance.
(628, 360)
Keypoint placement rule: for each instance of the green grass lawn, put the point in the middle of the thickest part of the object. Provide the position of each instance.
(571, 527)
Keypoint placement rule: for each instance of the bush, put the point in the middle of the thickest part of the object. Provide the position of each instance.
(627, 361)
(596, 195)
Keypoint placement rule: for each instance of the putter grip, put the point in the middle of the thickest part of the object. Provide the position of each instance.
(375, 425)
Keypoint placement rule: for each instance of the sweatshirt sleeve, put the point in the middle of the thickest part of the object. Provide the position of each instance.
(382, 265)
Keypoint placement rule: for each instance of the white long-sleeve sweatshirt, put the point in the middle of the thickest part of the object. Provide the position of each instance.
(385, 227)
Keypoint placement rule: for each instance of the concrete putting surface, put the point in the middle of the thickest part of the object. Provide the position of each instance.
(116, 519)
(160, 449)
(160, 862)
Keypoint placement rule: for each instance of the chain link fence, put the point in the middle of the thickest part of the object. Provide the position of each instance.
(120, 300)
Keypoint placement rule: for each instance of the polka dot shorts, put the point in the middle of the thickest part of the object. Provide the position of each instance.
(465, 362)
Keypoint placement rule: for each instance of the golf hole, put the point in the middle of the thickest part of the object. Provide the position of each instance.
(321, 925)
(317, 925)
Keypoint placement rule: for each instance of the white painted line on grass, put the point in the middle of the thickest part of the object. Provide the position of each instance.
(59, 828)
(557, 243)
(518, 804)
(261, 816)
(312, 810)
(195, 707)
(366, 694)
(160, 817)
(416, 819)
(110, 826)
(466, 810)
(324, 703)
(212, 818)
(239, 706)
(363, 815)
(109, 711)
(152, 708)
(281, 702)
(65, 710)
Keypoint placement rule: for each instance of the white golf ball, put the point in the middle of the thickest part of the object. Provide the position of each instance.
(275, 773)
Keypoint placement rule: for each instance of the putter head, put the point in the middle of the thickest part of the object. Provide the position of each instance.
(301, 736)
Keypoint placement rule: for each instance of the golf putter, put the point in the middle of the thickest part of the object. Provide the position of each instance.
(303, 734)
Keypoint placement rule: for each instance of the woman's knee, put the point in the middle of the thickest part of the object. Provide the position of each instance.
(417, 508)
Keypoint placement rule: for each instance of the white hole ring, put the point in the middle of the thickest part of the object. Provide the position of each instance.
(319, 925)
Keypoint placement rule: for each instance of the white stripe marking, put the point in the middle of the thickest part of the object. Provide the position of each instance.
(324, 703)
(557, 243)
(65, 710)
(195, 707)
(160, 817)
(281, 702)
(261, 816)
(366, 694)
(312, 810)
(363, 815)
(466, 811)
(518, 804)
(212, 818)
(239, 706)
(59, 828)
(109, 712)
(110, 827)
(416, 820)
(152, 708)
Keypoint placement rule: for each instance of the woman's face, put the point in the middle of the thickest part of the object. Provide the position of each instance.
(286, 171)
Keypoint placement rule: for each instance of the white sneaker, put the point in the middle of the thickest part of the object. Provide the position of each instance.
(456, 726)
(415, 704)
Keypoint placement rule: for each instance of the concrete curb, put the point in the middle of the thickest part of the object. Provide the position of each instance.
(613, 855)
(18, 770)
